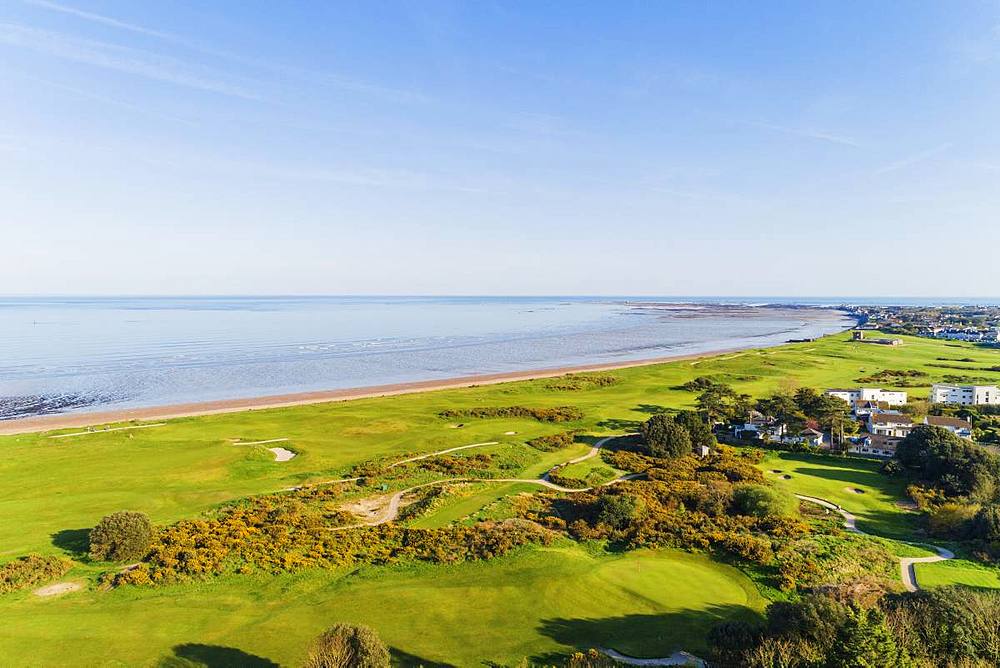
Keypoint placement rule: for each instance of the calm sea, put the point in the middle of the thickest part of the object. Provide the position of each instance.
(79, 354)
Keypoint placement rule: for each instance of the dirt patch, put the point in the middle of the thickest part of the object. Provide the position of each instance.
(282, 455)
(854, 490)
(58, 589)
(368, 508)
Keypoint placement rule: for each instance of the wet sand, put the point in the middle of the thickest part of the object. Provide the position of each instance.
(69, 420)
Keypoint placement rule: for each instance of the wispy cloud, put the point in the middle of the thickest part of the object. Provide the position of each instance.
(914, 159)
(315, 78)
(119, 58)
(806, 133)
(99, 18)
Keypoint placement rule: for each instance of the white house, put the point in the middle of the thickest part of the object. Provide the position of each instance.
(869, 394)
(966, 395)
(808, 436)
(955, 425)
(874, 445)
(887, 424)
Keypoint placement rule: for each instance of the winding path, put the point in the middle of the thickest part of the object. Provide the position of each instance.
(906, 571)
(391, 510)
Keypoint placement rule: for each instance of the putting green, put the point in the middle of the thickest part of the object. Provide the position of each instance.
(537, 603)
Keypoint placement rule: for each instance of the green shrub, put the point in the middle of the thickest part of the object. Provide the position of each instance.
(616, 510)
(121, 536)
(30, 570)
(347, 646)
(581, 381)
(553, 442)
(760, 501)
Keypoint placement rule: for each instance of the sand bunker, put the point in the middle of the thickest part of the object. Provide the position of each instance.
(58, 589)
(854, 490)
(281, 454)
(776, 471)
(786, 477)
(509, 433)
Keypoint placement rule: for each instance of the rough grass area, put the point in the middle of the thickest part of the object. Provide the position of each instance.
(537, 603)
(957, 572)
(831, 478)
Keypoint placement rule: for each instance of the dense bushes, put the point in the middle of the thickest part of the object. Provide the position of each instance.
(581, 381)
(289, 532)
(555, 414)
(121, 536)
(30, 570)
(943, 627)
(552, 442)
(951, 464)
(347, 646)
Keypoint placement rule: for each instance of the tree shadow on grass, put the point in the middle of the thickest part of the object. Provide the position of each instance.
(406, 660)
(652, 636)
(650, 409)
(616, 424)
(192, 655)
(73, 541)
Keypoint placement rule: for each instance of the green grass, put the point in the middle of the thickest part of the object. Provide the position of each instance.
(593, 471)
(54, 489)
(460, 506)
(539, 602)
(188, 466)
(832, 478)
(957, 572)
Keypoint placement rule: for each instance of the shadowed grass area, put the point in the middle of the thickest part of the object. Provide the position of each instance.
(501, 610)
(836, 479)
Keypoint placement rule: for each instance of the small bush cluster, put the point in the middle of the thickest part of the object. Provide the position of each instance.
(456, 466)
(31, 570)
(897, 377)
(347, 646)
(581, 381)
(553, 442)
(555, 414)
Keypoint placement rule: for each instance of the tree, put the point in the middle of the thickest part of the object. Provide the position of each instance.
(783, 408)
(718, 403)
(865, 641)
(808, 401)
(665, 438)
(952, 464)
(616, 510)
(348, 646)
(121, 536)
(699, 430)
(760, 501)
(834, 415)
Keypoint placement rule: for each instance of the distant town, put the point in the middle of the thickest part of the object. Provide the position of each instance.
(977, 324)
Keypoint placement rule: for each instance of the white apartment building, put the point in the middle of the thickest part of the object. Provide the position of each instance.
(967, 395)
(885, 424)
(870, 394)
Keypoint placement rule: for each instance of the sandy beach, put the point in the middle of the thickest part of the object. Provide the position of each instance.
(70, 420)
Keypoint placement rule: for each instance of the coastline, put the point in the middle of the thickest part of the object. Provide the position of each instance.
(44, 423)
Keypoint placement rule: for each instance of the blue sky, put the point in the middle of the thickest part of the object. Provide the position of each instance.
(781, 148)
